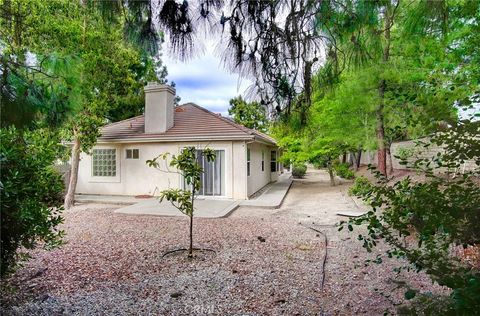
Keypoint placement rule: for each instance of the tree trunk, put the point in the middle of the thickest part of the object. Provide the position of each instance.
(381, 152)
(72, 184)
(390, 161)
(351, 158)
(359, 159)
(380, 130)
(344, 157)
(332, 175)
(190, 248)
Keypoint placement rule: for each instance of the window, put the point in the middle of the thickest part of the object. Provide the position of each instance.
(248, 161)
(132, 154)
(104, 163)
(263, 160)
(273, 161)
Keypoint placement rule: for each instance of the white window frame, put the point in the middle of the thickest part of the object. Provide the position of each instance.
(132, 152)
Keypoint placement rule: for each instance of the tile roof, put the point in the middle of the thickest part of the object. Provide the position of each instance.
(191, 122)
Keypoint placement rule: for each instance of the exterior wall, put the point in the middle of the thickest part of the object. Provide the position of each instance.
(239, 164)
(258, 178)
(134, 177)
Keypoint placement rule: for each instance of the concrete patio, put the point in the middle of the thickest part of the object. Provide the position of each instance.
(207, 208)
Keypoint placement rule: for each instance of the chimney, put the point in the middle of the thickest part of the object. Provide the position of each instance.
(159, 103)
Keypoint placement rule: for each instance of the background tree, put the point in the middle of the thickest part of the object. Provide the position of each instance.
(37, 93)
(388, 72)
(187, 165)
(249, 114)
(36, 87)
(112, 83)
(276, 43)
(64, 72)
(281, 43)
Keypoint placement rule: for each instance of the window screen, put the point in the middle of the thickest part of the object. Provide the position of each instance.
(104, 163)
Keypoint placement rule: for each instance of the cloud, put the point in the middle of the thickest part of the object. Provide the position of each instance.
(204, 81)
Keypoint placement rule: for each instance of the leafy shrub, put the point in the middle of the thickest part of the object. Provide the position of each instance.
(440, 214)
(31, 194)
(343, 171)
(299, 170)
(361, 187)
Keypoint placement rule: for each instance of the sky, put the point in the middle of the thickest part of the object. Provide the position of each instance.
(203, 80)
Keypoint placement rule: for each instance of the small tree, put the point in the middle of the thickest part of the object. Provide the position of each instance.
(325, 151)
(187, 165)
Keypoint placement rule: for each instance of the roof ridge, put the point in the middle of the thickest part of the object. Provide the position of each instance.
(238, 126)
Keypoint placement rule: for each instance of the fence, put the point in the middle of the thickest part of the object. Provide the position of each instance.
(412, 152)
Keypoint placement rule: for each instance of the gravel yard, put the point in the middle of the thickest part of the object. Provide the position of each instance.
(267, 262)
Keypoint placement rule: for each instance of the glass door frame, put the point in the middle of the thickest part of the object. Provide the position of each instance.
(223, 176)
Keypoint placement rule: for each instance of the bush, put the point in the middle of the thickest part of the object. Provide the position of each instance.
(299, 170)
(343, 171)
(31, 194)
(440, 214)
(361, 187)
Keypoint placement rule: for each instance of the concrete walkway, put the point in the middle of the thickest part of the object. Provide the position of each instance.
(207, 208)
(273, 194)
(311, 200)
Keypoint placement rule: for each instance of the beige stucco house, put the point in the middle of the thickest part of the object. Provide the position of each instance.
(246, 160)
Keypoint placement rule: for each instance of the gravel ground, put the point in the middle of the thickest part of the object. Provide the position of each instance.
(267, 262)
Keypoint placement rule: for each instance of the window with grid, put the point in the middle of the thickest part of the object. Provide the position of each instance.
(104, 163)
(132, 154)
(248, 161)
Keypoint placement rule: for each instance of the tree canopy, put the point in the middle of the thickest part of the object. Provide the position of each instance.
(250, 114)
(65, 71)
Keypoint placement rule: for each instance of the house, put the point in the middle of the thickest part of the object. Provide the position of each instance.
(246, 159)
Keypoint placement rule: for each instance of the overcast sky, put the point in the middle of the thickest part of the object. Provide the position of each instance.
(204, 81)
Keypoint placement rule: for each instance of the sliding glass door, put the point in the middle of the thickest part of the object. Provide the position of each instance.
(213, 177)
